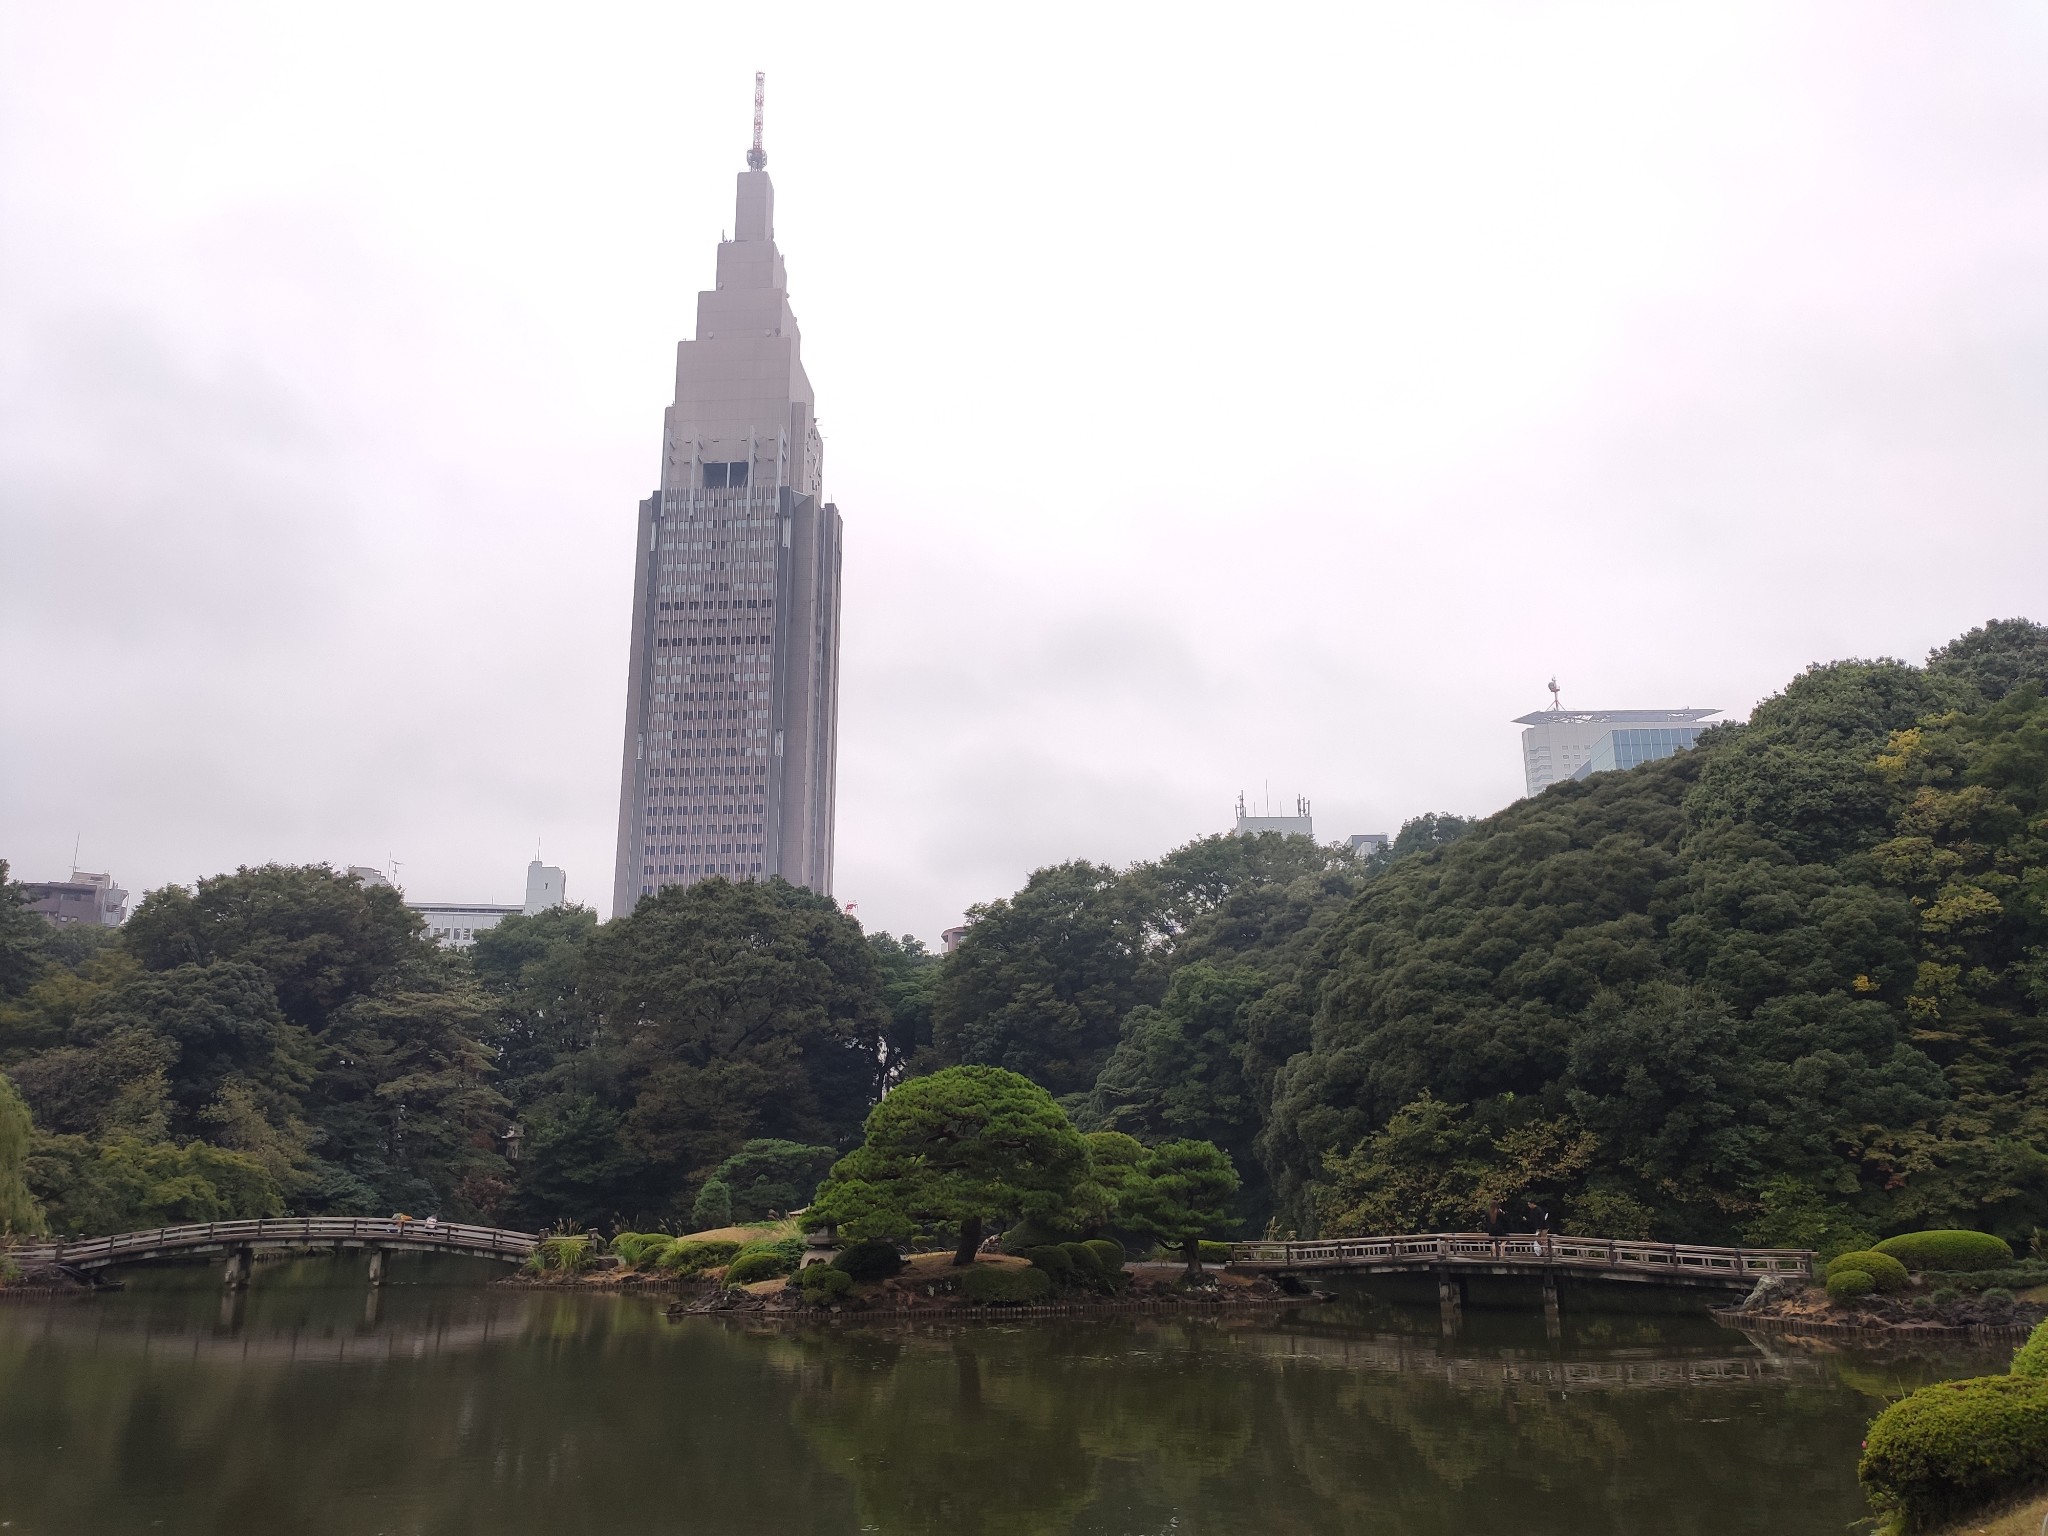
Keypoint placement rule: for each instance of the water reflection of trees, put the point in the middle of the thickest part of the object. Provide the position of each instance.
(540, 1413)
(1138, 1427)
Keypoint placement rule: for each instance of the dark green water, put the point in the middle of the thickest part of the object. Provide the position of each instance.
(442, 1407)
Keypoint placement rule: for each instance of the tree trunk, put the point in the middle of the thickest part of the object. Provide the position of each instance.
(970, 1240)
(1191, 1250)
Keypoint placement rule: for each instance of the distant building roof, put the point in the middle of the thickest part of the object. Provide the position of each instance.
(1615, 716)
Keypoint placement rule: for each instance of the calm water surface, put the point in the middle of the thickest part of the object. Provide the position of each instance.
(439, 1407)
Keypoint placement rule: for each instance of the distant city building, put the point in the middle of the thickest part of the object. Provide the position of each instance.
(1300, 824)
(952, 936)
(366, 877)
(1571, 743)
(546, 886)
(1366, 844)
(455, 924)
(732, 695)
(85, 898)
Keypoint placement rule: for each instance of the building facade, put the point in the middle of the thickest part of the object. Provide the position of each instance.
(91, 899)
(1571, 743)
(456, 924)
(732, 692)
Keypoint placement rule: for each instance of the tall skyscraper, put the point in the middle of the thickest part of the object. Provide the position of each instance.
(732, 700)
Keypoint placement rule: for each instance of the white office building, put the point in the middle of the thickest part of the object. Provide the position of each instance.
(1572, 743)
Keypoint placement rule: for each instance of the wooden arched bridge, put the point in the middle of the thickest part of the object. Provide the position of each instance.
(1539, 1255)
(239, 1240)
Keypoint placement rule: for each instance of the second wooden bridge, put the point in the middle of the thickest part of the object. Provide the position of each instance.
(1539, 1255)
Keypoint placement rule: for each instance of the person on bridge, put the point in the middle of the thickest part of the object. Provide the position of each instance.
(433, 1222)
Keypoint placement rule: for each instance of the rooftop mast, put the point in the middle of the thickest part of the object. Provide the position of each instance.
(757, 157)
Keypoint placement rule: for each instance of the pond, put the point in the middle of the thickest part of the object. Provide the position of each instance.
(438, 1406)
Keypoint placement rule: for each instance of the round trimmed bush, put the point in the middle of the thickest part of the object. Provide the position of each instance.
(999, 1285)
(1082, 1257)
(1947, 1249)
(762, 1262)
(1885, 1272)
(1957, 1445)
(2031, 1358)
(689, 1257)
(1850, 1285)
(1054, 1262)
(821, 1283)
(1109, 1256)
(869, 1261)
(1215, 1253)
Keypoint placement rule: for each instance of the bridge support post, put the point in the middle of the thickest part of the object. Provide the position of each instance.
(1553, 1323)
(1450, 1299)
(236, 1273)
(376, 1265)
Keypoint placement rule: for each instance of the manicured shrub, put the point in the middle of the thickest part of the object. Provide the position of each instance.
(1109, 1256)
(760, 1262)
(1082, 1257)
(1057, 1266)
(1000, 1285)
(822, 1283)
(869, 1261)
(2031, 1358)
(1850, 1285)
(1215, 1253)
(1028, 1234)
(692, 1256)
(1952, 1447)
(1885, 1272)
(1952, 1249)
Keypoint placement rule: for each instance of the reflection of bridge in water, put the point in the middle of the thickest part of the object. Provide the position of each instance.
(232, 1343)
(1623, 1370)
(240, 1240)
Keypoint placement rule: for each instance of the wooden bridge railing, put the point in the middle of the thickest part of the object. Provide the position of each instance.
(89, 1252)
(1534, 1250)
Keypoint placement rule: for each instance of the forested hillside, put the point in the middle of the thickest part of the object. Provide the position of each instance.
(1787, 987)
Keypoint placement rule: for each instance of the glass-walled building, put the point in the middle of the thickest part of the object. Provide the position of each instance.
(1640, 744)
(1564, 743)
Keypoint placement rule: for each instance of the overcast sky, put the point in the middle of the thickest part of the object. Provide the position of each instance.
(1217, 398)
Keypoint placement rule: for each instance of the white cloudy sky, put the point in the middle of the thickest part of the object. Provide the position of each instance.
(1216, 397)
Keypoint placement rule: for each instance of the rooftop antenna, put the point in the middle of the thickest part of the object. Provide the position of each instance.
(757, 157)
(1554, 704)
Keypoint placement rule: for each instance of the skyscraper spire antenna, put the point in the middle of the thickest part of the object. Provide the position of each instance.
(757, 157)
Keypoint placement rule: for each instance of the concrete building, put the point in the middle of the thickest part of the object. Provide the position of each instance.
(546, 886)
(732, 694)
(1366, 844)
(91, 899)
(455, 924)
(1300, 824)
(1566, 743)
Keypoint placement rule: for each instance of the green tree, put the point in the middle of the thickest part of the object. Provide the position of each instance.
(967, 1146)
(124, 1184)
(1183, 1194)
(405, 1106)
(20, 1212)
(910, 979)
(21, 939)
(712, 1208)
(768, 1174)
(532, 969)
(578, 1166)
(741, 1011)
(1041, 981)
(1995, 658)
(323, 938)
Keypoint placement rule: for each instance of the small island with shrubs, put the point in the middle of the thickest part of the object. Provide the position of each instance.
(970, 1189)
(1917, 1282)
